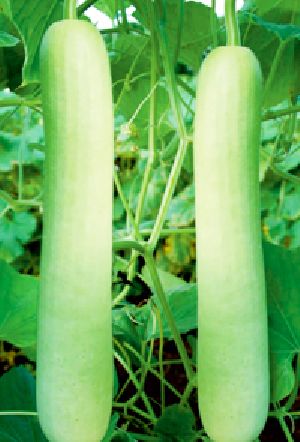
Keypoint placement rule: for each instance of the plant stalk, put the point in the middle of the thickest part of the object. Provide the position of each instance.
(231, 23)
(70, 12)
(213, 23)
(167, 311)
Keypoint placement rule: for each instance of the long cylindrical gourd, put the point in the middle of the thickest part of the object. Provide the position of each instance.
(233, 379)
(74, 353)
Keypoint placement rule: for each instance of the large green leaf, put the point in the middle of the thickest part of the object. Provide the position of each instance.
(283, 31)
(5, 7)
(263, 7)
(190, 32)
(128, 52)
(11, 52)
(7, 40)
(17, 392)
(265, 36)
(108, 7)
(16, 228)
(196, 34)
(282, 375)
(15, 147)
(283, 287)
(18, 300)
(32, 19)
(182, 209)
(266, 46)
(176, 424)
(182, 299)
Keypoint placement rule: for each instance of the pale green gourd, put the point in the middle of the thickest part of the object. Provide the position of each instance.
(233, 375)
(74, 353)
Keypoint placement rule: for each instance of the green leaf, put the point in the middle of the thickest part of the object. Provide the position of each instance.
(277, 8)
(176, 424)
(129, 51)
(130, 328)
(295, 232)
(282, 376)
(196, 33)
(168, 281)
(111, 427)
(7, 40)
(290, 160)
(265, 45)
(183, 304)
(5, 7)
(269, 199)
(283, 289)
(11, 145)
(196, 29)
(178, 249)
(283, 31)
(11, 54)
(122, 436)
(37, 15)
(136, 96)
(155, 191)
(291, 206)
(108, 7)
(18, 303)
(16, 228)
(276, 228)
(283, 286)
(182, 209)
(118, 209)
(17, 392)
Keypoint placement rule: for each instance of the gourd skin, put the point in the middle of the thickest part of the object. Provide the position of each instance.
(74, 353)
(233, 373)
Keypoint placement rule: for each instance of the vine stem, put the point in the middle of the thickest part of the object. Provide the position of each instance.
(294, 393)
(151, 132)
(152, 370)
(18, 205)
(181, 130)
(179, 31)
(151, 138)
(150, 262)
(284, 175)
(127, 244)
(170, 187)
(133, 408)
(126, 84)
(271, 115)
(18, 101)
(136, 384)
(285, 429)
(274, 67)
(18, 413)
(23, 144)
(169, 71)
(70, 11)
(126, 205)
(170, 231)
(189, 388)
(231, 22)
(213, 23)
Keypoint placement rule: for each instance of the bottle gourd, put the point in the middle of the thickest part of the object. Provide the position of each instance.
(233, 379)
(74, 353)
